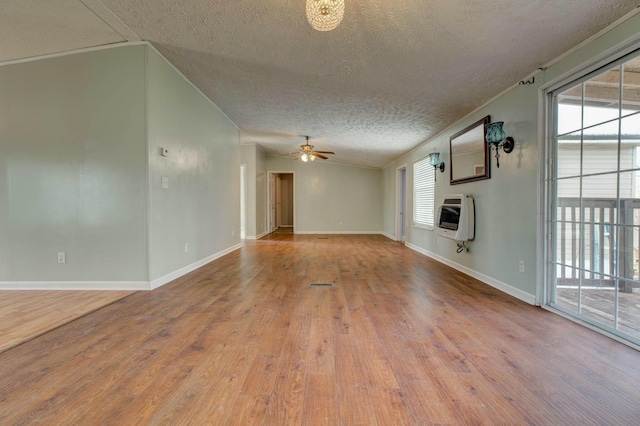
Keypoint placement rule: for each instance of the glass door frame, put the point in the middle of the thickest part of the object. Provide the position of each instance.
(546, 289)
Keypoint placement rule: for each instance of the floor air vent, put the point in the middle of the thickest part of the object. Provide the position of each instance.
(320, 284)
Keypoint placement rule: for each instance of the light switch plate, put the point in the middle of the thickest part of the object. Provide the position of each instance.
(164, 182)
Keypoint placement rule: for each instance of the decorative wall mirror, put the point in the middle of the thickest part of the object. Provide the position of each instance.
(470, 154)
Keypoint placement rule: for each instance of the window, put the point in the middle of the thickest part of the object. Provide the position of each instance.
(423, 193)
(595, 199)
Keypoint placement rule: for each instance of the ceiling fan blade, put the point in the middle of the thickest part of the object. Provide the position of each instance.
(325, 152)
(298, 157)
(320, 156)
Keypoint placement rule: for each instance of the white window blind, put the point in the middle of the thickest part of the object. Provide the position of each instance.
(423, 193)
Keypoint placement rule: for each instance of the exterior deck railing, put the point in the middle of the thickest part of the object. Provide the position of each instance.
(597, 245)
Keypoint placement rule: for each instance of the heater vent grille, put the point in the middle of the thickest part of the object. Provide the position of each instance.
(320, 284)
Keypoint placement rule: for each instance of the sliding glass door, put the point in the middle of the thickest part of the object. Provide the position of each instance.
(594, 191)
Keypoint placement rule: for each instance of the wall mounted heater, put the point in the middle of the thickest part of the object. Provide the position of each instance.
(456, 218)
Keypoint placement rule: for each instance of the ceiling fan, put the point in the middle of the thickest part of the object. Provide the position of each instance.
(307, 153)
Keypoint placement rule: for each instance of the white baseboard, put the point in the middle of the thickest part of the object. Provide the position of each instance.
(339, 232)
(74, 285)
(189, 268)
(502, 286)
(389, 236)
(256, 237)
(286, 226)
(113, 285)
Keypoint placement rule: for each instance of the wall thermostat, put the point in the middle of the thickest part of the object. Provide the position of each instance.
(164, 152)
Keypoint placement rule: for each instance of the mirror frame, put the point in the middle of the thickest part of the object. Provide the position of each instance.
(487, 153)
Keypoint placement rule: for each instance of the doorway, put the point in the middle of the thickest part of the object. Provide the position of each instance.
(243, 213)
(401, 203)
(281, 202)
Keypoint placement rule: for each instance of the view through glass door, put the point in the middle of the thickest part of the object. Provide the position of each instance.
(595, 199)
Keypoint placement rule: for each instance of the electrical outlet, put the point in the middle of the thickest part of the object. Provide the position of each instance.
(164, 182)
(186, 247)
(233, 233)
(62, 257)
(521, 265)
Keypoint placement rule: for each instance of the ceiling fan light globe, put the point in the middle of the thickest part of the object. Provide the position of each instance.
(305, 157)
(312, 157)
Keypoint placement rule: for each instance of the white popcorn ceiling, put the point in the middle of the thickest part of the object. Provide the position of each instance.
(392, 75)
(38, 27)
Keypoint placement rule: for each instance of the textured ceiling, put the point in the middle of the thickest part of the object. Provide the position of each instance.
(38, 27)
(392, 75)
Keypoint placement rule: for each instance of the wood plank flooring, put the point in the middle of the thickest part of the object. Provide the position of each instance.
(27, 314)
(399, 340)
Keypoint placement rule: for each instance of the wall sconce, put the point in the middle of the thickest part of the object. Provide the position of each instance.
(497, 138)
(434, 160)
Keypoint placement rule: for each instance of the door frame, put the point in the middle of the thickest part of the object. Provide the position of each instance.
(271, 174)
(278, 201)
(547, 193)
(271, 189)
(243, 201)
(400, 207)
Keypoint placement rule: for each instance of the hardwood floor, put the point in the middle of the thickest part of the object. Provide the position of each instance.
(283, 230)
(27, 314)
(399, 339)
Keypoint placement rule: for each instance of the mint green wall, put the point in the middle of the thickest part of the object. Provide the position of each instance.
(201, 206)
(72, 168)
(80, 171)
(506, 204)
(332, 197)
